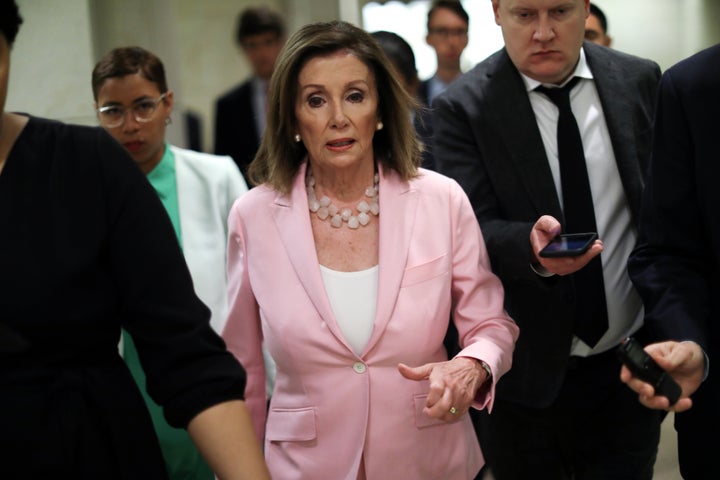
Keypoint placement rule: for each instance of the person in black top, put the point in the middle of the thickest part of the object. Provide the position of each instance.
(86, 248)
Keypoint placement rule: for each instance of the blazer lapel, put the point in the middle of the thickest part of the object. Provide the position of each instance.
(518, 129)
(398, 205)
(190, 207)
(293, 224)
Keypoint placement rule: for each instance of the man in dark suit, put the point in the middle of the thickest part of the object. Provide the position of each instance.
(562, 411)
(240, 113)
(676, 265)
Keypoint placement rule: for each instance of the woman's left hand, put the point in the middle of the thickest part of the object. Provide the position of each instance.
(453, 385)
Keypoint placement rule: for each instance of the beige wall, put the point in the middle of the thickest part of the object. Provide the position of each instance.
(664, 30)
(61, 41)
(51, 61)
(195, 40)
(57, 48)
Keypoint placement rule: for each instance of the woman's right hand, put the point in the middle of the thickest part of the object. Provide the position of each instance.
(453, 386)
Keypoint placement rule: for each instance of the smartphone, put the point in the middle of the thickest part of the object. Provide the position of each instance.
(631, 354)
(568, 245)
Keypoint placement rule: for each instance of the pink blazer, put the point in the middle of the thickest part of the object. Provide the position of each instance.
(332, 409)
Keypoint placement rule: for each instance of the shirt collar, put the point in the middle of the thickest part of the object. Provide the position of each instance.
(260, 85)
(582, 70)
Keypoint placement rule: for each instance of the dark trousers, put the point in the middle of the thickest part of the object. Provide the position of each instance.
(699, 434)
(596, 429)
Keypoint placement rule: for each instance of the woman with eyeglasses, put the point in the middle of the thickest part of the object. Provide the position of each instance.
(86, 249)
(134, 105)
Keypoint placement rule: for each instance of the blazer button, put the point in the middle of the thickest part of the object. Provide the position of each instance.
(359, 367)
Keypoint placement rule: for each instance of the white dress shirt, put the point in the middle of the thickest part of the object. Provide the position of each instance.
(612, 212)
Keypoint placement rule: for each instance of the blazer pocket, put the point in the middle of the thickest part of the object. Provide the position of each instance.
(291, 425)
(425, 271)
(422, 420)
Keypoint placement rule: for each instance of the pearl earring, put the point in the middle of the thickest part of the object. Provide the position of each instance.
(297, 138)
(168, 120)
(380, 126)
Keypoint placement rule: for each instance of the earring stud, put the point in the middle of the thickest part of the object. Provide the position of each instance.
(380, 126)
(297, 138)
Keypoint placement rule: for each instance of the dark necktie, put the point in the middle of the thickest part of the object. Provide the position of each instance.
(591, 308)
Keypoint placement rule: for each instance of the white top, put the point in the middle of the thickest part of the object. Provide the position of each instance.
(353, 298)
(612, 212)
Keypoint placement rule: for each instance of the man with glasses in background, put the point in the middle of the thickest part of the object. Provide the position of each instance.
(447, 27)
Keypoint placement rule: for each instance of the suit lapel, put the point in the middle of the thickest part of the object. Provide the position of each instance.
(398, 205)
(519, 132)
(615, 96)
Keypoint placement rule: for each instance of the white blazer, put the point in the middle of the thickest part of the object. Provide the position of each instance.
(207, 186)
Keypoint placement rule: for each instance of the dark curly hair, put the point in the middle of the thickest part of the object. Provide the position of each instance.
(10, 20)
(122, 61)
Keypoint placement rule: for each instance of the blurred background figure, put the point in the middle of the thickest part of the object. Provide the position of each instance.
(596, 27)
(240, 113)
(197, 190)
(447, 34)
(402, 57)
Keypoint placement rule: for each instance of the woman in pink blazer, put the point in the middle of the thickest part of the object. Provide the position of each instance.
(347, 262)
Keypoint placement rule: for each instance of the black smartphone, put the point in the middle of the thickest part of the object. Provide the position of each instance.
(642, 365)
(568, 245)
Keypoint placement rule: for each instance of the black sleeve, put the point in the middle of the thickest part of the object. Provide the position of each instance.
(671, 265)
(188, 368)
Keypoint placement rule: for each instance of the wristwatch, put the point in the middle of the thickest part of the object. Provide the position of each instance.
(486, 367)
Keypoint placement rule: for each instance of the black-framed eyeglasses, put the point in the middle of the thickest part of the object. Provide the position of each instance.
(446, 33)
(113, 116)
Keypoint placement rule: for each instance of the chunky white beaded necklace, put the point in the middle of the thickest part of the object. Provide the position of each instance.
(325, 209)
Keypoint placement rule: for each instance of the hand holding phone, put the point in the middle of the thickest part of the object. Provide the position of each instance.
(568, 245)
(632, 355)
